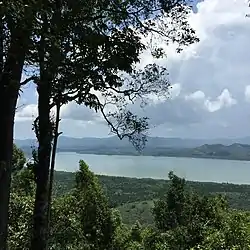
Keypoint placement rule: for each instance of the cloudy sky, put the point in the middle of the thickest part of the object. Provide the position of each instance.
(211, 83)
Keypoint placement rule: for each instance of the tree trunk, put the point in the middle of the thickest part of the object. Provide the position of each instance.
(52, 168)
(44, 136)
(47, 71)
(7, 111)
(10, 78)
(42, 169)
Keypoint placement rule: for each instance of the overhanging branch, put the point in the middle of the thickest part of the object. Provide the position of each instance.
(32, 78)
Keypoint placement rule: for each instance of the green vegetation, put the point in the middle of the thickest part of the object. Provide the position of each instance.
(86, 52)
(134, 197)
(105, 212)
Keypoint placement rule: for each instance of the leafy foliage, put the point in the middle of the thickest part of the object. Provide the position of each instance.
(188, 220)
(93, 211)
(82, 218)
(18, 159)
(83, 52)
(20, 221)
(87, 52)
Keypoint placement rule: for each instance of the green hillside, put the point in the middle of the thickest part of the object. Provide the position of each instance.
(134, 197)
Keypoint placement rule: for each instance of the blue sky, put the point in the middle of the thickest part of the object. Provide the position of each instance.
(211, 83)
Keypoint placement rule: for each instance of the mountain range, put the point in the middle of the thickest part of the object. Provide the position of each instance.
(65, 142)
(238, 149)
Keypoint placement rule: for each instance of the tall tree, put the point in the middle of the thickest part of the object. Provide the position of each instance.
(93, 210)
(171, 212)
(16, 20)
(87, 52)
(48, 56)
(183, 217)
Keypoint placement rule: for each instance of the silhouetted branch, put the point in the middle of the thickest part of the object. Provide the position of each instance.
(32, 78)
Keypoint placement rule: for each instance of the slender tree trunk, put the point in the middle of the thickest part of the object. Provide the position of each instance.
(44, 137)
(10, 78)
(52, 167)
(42, 170)
(48, 69)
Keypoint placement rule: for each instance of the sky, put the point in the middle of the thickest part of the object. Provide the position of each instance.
(210, 96)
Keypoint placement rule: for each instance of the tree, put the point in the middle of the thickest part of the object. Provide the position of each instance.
(183, 217)
(65, 230)
(23, 181)
(18, 159)
(21, 201)
(52, 166)
(169, 212)
(93, 211)
(82, 219)
(16, 22)
(233, 233)
(20, 220)
(94, 53)
(136, 232)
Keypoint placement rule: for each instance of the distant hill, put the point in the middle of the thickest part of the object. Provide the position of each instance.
(237, 149)
(234, 151)
(89, 142)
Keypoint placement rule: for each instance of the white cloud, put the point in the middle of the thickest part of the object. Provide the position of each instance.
(72, 111)
(196, 96)
(225, 99)
(213, 74)
(247, 93)
(175, 90)
(211, 78)
(26, 113)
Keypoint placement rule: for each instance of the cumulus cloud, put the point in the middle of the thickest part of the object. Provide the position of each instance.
(210, 92)
(225, 99)
(197, 96)
(72, 111)
(214, 73)
(26, 113)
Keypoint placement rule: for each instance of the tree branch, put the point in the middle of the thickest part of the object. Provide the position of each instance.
(32, 78)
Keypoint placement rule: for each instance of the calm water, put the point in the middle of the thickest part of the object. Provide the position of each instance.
(158, 167)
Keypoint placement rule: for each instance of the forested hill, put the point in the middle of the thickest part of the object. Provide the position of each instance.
(235, 151)
(156, 146)
(66, 143)
(134, 197)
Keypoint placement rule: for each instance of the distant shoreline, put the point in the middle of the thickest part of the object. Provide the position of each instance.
(220, 149)
(28, 155)
(157, 155)
(156, 179)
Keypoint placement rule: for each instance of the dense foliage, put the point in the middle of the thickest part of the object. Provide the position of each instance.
(87, 213)
(130, 192)
(87, 52)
